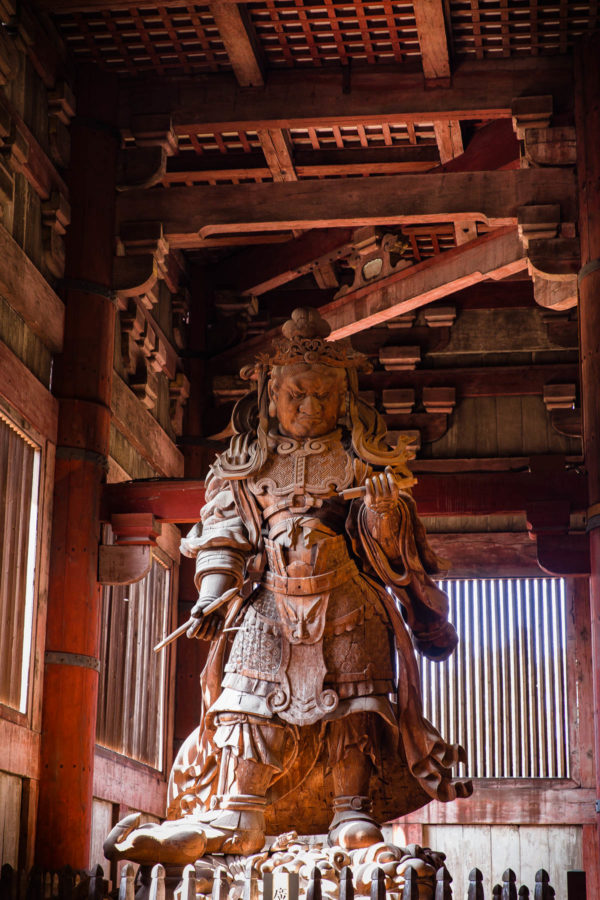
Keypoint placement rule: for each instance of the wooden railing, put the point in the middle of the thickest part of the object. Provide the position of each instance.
(160, 883)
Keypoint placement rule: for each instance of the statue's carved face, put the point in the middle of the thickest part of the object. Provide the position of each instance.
(307, 399)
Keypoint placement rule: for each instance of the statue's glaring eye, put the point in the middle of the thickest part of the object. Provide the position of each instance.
(307, 399)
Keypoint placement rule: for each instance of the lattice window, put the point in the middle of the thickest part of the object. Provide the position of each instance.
(132, 694)
(19, 493)
(330, 32)
(168, 40)
(503, 693)
(496, 28)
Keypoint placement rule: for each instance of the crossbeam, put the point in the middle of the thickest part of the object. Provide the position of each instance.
(464, 493)
(189, 214)
(481, 90)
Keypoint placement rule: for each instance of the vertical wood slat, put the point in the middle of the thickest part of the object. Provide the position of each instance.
(510, 672)
(132, 695)
(19, 490)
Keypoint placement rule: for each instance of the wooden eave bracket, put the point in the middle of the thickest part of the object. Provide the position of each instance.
(553, 255)
(130, 558)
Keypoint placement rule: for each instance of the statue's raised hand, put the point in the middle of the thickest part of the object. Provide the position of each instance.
(205, 628)
(382, 492)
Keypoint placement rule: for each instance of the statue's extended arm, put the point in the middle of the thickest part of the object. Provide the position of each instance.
(220, 546)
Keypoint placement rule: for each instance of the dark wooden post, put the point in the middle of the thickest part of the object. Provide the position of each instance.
(83, 382)
(587, 121)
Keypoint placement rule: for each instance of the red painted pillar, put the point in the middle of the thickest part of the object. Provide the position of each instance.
(83, 380)
(587, 120)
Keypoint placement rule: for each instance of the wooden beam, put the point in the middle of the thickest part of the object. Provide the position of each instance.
(485, 555)
(278, 152)
(480, 90)
(189, 168)
(254, 273)
(433, 42)
(29, 294)
(28, 396)
(443, 494)
(237, 33)
(188, 214)
(513, 802)
(19, 749)
(494, 255)
(120, 780)
(492, 381)
(143, 431)
(449, 140)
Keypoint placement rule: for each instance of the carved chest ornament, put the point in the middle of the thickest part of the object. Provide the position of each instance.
(295, 472)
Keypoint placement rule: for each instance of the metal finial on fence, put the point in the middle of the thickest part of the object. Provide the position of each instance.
(126, 884)
(35, 884)
(443, 879)
(410, 890)
(313, 891)
(543, 888)
(346, 884)
(157, 884)
(509, 885)
(377, 884)
(524, 892)
(497, 891)
(475, 890)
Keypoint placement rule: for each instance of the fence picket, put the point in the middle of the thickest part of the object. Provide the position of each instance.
(443, 890)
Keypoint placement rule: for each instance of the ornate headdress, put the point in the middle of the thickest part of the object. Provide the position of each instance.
(304, 340)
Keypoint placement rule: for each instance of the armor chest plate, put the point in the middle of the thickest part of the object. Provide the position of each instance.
(303, 470)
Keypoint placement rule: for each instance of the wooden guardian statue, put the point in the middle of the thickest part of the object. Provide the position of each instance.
(313, 572)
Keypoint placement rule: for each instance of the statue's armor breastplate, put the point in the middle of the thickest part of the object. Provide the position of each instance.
(311, 633)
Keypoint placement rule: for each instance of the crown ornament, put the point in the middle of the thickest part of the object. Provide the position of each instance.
(304, 340)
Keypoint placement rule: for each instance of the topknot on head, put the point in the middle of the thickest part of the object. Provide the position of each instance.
(306, 323)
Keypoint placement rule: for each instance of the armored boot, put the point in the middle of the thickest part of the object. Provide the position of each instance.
(352, 826)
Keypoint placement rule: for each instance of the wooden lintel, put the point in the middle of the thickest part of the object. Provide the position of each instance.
(439, 494)
(190, 214)
(433, 42)
(492, 381)
(19, 749)
(480, 90)
(494, 255)
(487, 554)
(29, 294)
(120, 780)
(518, 802)
(26, 395)
(237, 33)
(144, 433)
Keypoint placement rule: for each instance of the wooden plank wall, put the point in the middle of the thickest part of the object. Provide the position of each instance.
(10, 814)
(494, 848)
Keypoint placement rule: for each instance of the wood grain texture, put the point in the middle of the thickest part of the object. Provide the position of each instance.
(490, 256)
(433, 43)
(19, 750)
(123, 781)
(481, 89)
(22, 390)
(29, 293)
(143, 431)
(189, 214)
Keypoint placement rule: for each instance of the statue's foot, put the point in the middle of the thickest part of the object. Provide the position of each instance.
(236, 826)
(352, 826)
(171, 843)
